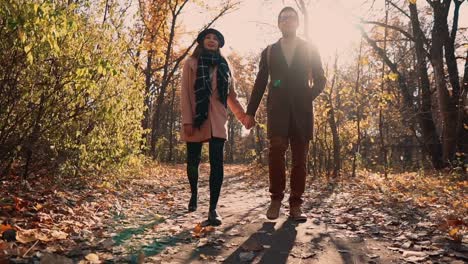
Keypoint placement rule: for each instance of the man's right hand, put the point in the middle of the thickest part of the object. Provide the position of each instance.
(188, 129)
(249, 121)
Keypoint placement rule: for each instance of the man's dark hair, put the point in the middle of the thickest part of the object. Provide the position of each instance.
(287, 8)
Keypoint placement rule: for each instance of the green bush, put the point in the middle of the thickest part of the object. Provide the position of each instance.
(71, 97)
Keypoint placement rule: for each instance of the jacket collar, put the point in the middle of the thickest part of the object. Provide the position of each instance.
(277, 51)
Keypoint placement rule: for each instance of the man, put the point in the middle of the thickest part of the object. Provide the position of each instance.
(289, 63)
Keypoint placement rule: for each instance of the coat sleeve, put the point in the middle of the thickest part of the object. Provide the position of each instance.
(318, 74)
(233, 103)
(185, 102)
(260, 85)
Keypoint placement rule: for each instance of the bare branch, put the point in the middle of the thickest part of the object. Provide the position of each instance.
(456, 12)
(399, 9)
(393, 67)
(402, 31)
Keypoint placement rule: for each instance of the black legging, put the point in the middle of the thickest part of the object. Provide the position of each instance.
(216, 151)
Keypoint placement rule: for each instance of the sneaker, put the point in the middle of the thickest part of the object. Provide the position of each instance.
(274, 210)
(295, 213)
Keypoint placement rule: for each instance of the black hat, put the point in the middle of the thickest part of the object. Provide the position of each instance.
(202, 35)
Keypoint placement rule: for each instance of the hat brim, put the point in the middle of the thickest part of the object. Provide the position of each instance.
(201, 36)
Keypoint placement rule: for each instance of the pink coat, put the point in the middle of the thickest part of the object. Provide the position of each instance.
(216, 124)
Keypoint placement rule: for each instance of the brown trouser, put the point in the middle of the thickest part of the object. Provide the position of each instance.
(277, 169)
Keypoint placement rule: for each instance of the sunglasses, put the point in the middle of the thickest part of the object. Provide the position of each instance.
(288, 17)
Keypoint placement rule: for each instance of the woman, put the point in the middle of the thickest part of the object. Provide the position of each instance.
(207, 90)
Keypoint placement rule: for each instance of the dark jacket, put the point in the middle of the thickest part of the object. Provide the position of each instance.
(290, 95)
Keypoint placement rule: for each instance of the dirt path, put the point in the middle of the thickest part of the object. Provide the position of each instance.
(332, 234)
(145, 220)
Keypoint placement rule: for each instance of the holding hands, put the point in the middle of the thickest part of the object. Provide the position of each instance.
(248, 121)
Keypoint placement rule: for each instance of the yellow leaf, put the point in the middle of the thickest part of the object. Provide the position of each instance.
(30, 58)
(36, 8)
(105, 185)
(21, 35)
(454, 233)
(38, 206)
(413, 1)
(364, 61)
(393, 76)
(27, 48)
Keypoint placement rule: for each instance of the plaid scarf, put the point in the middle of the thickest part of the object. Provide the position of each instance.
(203, 87)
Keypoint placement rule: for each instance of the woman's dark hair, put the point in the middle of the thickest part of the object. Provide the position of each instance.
(199, 49)
(287, 8)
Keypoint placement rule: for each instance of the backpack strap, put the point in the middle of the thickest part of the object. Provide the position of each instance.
(269, 59)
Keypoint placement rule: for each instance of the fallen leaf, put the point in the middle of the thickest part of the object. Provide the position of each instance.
(373, 256)
(234, 232)
(93, 258)
(59, 235)
(56, 259)
(3, 245)
(208, 229)
(414, 254)
(38, 206)
(108, 243)
(436, 253)
(26, 236)
(454, 234)
(19, 203)
(197, 229)
(172, 251)
(407, 245)
(302, 252)
(4, 228)
(202, 242)
(415, 259)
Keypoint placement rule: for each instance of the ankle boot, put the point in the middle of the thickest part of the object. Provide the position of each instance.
(193, 180)
(192, 206)
(214, 219)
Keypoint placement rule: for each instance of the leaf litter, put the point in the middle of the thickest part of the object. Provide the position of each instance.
(136, 218)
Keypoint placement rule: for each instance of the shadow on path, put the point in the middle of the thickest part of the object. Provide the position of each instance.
(278, 243)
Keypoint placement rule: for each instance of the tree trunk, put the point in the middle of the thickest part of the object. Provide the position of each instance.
(357, 145)
(171, 126)
(333, 126)
(383, 147)
(462, 124)
(430, 138)
(146, 122)
(447, 104)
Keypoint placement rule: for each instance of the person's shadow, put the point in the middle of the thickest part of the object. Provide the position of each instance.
(277, 244)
